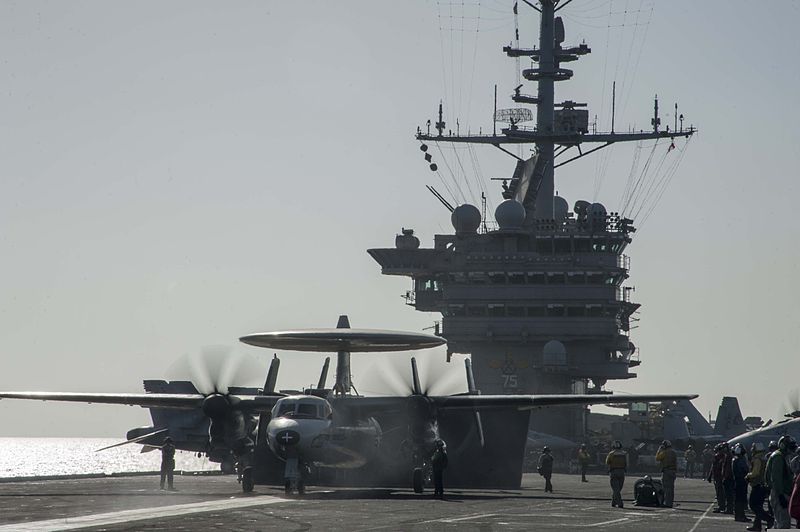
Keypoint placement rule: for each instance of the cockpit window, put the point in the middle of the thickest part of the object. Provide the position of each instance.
(307, 410)
(285, 409)
(307, 407)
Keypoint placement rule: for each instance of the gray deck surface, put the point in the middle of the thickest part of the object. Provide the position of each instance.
(215, 502)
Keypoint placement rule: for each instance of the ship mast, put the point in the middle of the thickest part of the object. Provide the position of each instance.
(557, 124)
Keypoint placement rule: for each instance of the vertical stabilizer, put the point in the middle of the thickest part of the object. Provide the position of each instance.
(729, 422)
(699, 425)
(272, 375)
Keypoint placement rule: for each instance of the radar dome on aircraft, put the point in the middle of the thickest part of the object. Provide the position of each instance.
(581, 207)
(466, 218)
(510, 214)
(560, 208)
(554, 353)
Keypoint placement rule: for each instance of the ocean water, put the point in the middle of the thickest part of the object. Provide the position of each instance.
(25, 457)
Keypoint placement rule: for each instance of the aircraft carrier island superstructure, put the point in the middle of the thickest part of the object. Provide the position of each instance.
(537, 298)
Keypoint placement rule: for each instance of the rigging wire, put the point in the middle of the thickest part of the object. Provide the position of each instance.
(671, 174)
(637, 184)
(452, 176)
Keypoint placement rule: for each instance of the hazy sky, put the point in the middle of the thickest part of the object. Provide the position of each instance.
(177, 174)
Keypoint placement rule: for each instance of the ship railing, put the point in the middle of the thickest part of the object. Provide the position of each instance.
(609, 223)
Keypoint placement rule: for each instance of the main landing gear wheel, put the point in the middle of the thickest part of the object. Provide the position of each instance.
(417, 480)
(247, 480)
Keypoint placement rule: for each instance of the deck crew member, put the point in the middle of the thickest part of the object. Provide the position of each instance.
(779, 480)
(708, 459)
(545, 468)
(758, 492)
(690, 455)
(617, 462)
(715, 474)
(439, 464)
(583, 461)
(167, 462)
(668, 461)
(740, 471)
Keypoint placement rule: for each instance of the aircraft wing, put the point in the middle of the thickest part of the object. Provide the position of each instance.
(527, 402)
(147, 400)
(182, 401)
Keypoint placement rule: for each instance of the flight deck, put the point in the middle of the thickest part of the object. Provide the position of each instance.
(216, 502)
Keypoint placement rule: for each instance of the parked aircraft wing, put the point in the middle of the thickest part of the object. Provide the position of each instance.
(254, 403)
(375, 404)
(163, 400)
(527, 402)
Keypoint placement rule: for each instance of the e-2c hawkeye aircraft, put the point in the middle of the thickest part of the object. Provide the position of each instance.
(336, 436)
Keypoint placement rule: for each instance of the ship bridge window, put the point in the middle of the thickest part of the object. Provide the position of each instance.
(576, 278)
(537, 312)
(515, 312)
(596, 278)
(477, 278)
(556, 278)
(476, 310)
(497, 310)
(576, 312)
(536, 278)
(594, 311)
(458, 278)
(583, 245)
(563, 245)
(497, 277)
(555, 311)
(516, 278)
(456, 310)
(544, 245)
(600, 245)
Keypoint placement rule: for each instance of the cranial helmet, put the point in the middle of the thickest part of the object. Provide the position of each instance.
(738, 449)
(616, 445)
(773, 445)
(666, 443)
(440, 443)
(167, 440)
(787, 442)
(545, 449)
(583, 446)
(757, 447)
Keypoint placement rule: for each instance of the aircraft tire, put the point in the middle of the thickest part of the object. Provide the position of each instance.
(247, 480)
(417, 480)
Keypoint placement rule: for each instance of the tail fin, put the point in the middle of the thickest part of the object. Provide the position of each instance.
(472, 389)
(729, 421)
(699, 425)
(323, 376)
(272, 375)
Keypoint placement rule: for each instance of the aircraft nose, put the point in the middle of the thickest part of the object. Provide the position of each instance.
(287, 438)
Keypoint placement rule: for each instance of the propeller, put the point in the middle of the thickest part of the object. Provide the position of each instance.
(793, 404)
(216, 368)
(391, 376)
(213, 371)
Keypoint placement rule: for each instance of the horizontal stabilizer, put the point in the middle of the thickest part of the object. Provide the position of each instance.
(134, 440)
